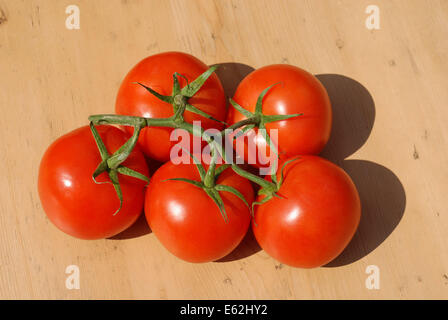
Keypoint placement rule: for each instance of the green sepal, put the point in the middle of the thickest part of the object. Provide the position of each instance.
(240, 109)
(176, 85)
(269, 194)
(258, 203)
(193, 182)
(279, 184)
(168, 99)
(190, 89)
(259, 105)
(99, 142)
(198, 164)
(221, 187)
(275, 194)
(182, 76)
(280, 117)
(114, 178)
(214, 194)
(132, 173)
(102, 167)
(221, 169)
(265, 185)
(193, 109)
(267, 138)
(124, 151)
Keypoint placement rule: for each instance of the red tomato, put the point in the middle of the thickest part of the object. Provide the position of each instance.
(315, 220)
(187, 221)
(73, 201)
(296, 91)
(156, 72)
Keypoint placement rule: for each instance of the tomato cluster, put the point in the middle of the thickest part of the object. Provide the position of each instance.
(93, 182)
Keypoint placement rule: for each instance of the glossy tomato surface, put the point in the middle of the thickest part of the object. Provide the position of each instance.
(296, 91)
(73, 201)
(157, 72)
(316, 218)
(187, 221)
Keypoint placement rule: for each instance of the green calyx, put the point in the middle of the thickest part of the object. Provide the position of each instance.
(179, 100)
(270, 190)
(112, 164)
(179, 96)
(259, 120)
(208, 183)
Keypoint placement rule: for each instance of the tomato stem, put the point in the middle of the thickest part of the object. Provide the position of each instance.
(179, 101)
(209, 179)
(254, 178)
(242, 123)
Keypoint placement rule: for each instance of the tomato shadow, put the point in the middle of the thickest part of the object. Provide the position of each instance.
(230, 74)
(246, 248)
(353, 115)
(140, 226)
(249, 245)
(153, 165)
(138, 229)
(383, 198)
(383, 202)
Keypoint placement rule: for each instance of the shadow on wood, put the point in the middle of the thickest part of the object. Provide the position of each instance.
(383, 197)
(231, 74)
(138, 229)
(383, 201)
(353, 116)
(246, 248)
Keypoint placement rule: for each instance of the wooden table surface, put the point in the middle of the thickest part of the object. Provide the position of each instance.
(389, 93)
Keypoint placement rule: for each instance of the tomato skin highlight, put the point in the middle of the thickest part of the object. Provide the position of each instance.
(157, 72)
(316, 219)
(187, 221)
(73, 201)
(296, 91)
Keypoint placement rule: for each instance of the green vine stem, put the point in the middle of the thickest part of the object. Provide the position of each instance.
(208, 183)
(116, 167)
(179, 101)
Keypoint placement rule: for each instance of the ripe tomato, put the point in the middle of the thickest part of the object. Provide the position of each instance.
(296, 91)
(156, 72)
(73, 201)
(316, 218)
(187, 221)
